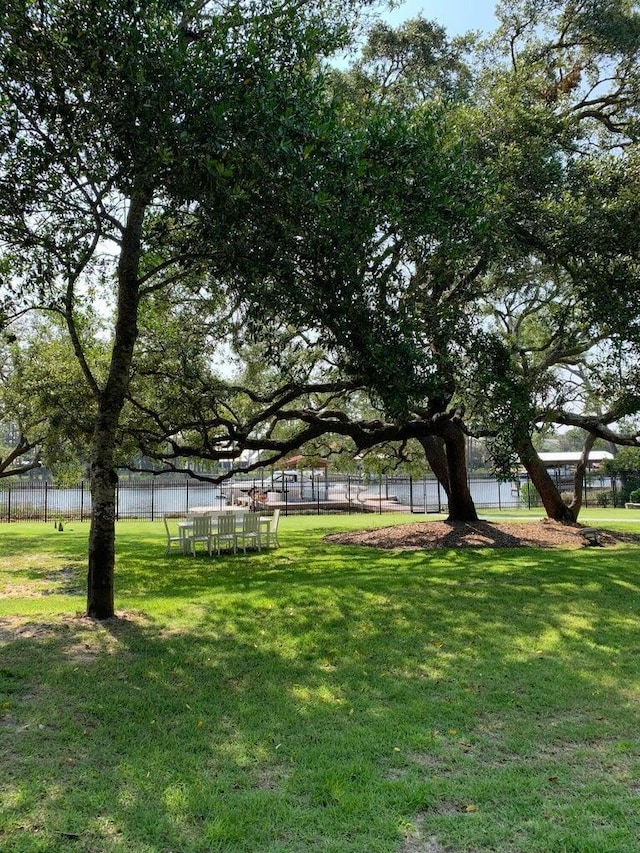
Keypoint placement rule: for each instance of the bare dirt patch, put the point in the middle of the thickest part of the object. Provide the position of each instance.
(81, 636)
(415, 843)
(480, 534)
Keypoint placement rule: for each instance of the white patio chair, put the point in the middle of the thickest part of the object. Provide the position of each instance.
(200, 532)
(250, 531)
(269, 523)
(226, 533)
(171, 537)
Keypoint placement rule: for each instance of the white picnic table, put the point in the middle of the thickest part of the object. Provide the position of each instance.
(214, 512)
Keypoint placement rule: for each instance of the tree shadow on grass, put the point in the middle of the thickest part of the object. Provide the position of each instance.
(317, 700)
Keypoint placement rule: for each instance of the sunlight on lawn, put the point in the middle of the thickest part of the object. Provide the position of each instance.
(318, 697)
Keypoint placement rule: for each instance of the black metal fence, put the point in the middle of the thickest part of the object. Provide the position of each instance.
(293, 493)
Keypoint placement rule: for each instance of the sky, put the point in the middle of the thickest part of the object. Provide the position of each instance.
(457, 16)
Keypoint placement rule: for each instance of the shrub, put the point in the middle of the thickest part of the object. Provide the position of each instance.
(606, 499)
(529, 495)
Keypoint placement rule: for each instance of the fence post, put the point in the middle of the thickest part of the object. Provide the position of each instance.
(9, 506)
(153, 494)
(46, 500)
(411, 492)
(499, 496)
(187, 496)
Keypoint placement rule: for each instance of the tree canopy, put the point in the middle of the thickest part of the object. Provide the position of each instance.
(146, 147)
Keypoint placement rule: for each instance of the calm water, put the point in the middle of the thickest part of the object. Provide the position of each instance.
(152, 499)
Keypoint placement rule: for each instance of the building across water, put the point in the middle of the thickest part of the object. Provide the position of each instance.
(570, 458)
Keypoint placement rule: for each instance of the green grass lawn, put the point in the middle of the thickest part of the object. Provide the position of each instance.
(319, 697)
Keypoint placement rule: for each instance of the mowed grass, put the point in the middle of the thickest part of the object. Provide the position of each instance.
(319, 697)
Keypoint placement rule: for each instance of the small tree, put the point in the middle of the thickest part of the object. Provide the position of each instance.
(145, 146)
(45, 413)
(626, 466)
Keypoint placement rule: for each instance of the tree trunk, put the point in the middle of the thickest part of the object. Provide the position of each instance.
(461, 505)
(435, 452)
(551, 498)
(100, 575)
(111, 399)
(578, 481)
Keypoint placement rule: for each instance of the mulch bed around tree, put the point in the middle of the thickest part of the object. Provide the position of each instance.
(481, 534)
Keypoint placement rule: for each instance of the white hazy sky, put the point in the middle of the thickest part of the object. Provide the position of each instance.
(457, 16)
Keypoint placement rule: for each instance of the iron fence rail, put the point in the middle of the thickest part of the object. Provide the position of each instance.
(294, 494)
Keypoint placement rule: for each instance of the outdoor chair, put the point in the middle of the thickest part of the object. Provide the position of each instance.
(200, 532)
(250, 531)
(226, 532)
(270, 525)
(171, 538)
